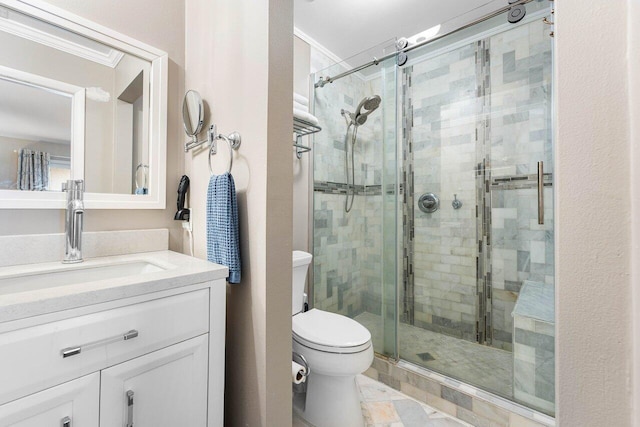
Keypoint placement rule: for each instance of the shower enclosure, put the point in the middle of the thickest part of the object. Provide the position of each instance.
(433, 218)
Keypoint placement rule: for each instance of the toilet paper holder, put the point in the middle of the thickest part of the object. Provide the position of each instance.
(301, 360)
(302, 387)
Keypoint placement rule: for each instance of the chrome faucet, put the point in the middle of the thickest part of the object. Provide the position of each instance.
(73, 220)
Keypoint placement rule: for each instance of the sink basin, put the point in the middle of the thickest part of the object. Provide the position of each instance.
(72, 275)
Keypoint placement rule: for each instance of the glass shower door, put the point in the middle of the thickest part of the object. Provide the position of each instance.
(477, 290)
(518, 184)
(355, 251)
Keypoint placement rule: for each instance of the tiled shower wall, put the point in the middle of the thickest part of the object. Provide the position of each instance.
(445, 148)
(521, 136)
(443, 96)
(347, 246)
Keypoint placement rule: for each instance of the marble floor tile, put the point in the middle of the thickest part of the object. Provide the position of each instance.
(383, 406)
(482, 366)
(382, 412)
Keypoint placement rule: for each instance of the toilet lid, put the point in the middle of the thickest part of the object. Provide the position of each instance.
(330, 332)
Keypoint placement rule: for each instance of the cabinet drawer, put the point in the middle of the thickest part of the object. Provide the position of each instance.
(32, 359)
(76, 401)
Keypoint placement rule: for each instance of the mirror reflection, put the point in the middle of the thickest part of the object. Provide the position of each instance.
(35, 137)
(35, 122)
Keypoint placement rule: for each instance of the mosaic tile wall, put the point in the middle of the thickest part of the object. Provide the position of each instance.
(347, 246)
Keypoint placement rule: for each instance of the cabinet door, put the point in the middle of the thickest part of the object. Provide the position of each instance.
(166, 388)
(72, 404)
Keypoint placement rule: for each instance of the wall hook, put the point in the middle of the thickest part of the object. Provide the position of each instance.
(457, 204)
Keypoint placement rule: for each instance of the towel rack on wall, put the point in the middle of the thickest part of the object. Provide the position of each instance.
(193, 119)
(233, 140)
(302, 128)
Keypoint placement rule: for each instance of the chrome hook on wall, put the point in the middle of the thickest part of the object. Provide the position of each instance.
(457, 204)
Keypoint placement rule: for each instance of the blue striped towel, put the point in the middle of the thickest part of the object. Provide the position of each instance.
(223, 244)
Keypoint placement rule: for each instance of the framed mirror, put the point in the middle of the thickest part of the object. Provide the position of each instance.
(78, 101)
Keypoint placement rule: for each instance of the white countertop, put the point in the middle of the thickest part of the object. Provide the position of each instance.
(178, 270)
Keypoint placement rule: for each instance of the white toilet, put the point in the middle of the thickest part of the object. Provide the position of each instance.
(337, 349)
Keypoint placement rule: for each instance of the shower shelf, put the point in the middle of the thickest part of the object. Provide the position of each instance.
(302, 128)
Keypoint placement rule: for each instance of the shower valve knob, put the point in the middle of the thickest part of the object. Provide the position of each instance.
(428, 203)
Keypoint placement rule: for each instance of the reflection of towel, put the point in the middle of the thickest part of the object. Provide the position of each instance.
(304, 115)
(142, 190)
(223, 244)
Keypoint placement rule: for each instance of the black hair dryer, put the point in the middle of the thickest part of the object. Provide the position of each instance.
(182, 214)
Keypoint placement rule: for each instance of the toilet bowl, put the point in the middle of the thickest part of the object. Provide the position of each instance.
(336, 349)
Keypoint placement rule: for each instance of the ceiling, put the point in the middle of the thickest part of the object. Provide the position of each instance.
(347, 27)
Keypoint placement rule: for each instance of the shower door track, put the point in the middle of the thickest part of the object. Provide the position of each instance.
(375, 61)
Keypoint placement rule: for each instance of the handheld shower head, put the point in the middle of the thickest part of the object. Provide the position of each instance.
(372, 102)
(369, 104)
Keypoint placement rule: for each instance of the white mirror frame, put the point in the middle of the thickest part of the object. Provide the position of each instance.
(156, 199)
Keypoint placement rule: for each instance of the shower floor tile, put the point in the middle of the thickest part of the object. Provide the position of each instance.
(482, 366)
(383, 406)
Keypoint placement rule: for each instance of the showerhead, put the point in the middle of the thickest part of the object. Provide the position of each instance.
(369, 104)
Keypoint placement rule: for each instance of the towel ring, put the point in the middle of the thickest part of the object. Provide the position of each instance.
(233, 140)
(145, 172)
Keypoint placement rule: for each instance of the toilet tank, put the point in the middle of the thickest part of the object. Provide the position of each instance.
(301, 261)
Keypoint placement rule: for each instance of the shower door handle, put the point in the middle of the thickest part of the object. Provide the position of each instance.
(540, 193)
(129, 403)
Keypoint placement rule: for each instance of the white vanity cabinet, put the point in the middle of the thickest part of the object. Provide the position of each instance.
(74, 403)
(165, 388)
(151, 360)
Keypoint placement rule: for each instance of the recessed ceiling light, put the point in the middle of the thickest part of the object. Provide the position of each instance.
(424, 35)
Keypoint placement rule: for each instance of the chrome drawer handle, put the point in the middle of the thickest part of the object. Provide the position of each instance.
(129, 408)
(72, 351)
(65, 422)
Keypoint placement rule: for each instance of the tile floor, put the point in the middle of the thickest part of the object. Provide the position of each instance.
(482, 366)
(383, 406)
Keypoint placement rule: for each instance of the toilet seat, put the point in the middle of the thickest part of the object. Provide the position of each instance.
(330, 332)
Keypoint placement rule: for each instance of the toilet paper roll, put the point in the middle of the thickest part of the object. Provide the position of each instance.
(298, 373)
